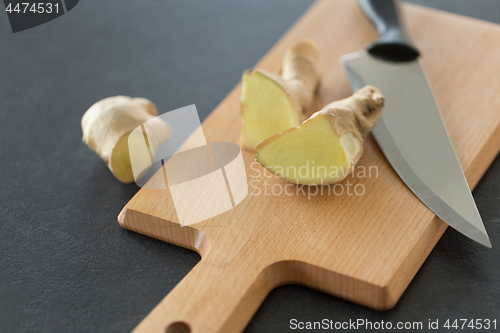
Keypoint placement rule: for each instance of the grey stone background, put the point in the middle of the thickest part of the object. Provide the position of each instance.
(66, 265)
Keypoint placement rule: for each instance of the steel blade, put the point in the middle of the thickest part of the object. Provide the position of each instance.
(412, 135)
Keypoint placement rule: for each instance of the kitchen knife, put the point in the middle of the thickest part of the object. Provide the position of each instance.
(410, 131)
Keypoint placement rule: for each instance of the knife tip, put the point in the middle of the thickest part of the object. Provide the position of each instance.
(483, 239)
(488, 244)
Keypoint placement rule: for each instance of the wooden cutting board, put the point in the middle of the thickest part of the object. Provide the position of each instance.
(363, 248)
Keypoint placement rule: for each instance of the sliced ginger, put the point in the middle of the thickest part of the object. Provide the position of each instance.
(107, 127)
(325, 148)
(314, 142)
(271, 103)
(271, 109)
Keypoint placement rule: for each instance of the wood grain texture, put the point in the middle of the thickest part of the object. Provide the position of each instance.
(366, 248)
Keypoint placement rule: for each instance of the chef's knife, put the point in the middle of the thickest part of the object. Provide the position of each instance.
(410, 131)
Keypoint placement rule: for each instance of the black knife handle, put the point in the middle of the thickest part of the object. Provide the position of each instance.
(393, 43)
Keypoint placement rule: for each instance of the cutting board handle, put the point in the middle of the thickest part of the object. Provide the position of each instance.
(393, 43)
(212, 297)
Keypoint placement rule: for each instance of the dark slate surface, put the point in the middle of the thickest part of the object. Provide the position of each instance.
(66, 265)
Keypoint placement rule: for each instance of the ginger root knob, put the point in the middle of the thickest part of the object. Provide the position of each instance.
(106, 126)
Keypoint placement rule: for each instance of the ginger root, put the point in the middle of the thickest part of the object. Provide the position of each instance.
(271, 103)
(327, 146)
(106, 126)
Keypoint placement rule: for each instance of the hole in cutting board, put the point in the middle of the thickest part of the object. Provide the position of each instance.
(178, 327)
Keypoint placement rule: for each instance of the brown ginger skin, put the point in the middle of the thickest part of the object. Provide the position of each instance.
(106, 127)
(300, 72)
(356, 114)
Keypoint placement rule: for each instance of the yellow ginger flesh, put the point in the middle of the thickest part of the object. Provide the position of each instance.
(266, 109)
(309, 154)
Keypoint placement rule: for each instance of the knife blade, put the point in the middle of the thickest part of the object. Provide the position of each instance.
(410, 131)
